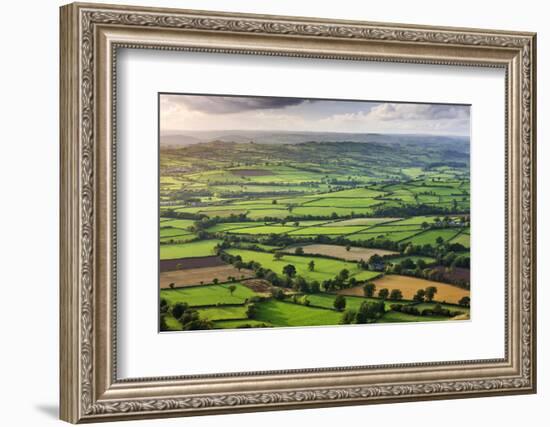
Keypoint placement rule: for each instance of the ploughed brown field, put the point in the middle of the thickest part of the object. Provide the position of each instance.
(187, 263)
(455, 274)
(354, 254)
(194, 276)
(409, 286)
(258, 285)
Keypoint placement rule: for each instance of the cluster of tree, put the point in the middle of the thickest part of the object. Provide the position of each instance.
(301, 299)
(282, 240)
(369, 290)
(171, 213)
(290, 278)
(436, 310)
(251, 310)
(375, 263)
(339, 303)
(248, 325)
(433, 274)
(164, 308)
(407, 210)
(186, 196)
(447, 222)
(176, 240)
(187, 317)
(464, 302)
(368, 312)
(452, 259)
(438, 251)
(427, 294)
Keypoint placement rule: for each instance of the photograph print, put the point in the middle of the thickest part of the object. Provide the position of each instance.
(283, 212)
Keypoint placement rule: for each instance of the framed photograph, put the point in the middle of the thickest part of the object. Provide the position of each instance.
(265, 212)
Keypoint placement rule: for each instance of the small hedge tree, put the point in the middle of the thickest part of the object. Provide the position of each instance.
(339, 303)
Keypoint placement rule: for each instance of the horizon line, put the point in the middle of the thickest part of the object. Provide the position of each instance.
(161, 132)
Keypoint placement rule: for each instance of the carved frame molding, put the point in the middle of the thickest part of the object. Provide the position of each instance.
(90, 37)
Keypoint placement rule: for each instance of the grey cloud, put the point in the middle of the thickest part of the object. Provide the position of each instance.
(232, 104)
(390, 111)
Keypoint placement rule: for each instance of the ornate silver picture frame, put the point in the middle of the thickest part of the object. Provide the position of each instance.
(91, 35)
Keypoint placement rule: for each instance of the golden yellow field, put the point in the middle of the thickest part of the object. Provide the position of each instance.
(409, 286)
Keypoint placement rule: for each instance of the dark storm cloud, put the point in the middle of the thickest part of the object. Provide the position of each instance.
(232, 104)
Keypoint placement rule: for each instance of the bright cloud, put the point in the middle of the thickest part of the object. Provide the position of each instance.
(201, 112)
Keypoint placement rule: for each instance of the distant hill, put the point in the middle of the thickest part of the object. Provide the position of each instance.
(458, 144)
(366, 158)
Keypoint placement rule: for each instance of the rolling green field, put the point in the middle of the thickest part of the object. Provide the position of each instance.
(187, 250)
(251, 208)
(171, 232)
(264, 229)
(463, 239)
(187, 237)
(176, 223)
(325, 268)
(287, 314)
(396, 236)
(207, 295)
(326, 229)
(327, 301)
(430, 236)
(223, 313)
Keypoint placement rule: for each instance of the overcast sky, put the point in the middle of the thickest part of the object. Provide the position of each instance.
(200, 112)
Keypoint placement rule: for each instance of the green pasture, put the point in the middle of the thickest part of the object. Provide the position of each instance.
(394, 237)
(329, 211)
(362, 221)
(391, 228)
(354, 193)
(429, 237)
(182, 238)
(176, 223)
(279, 313)
(207, 295)
(223, 312)
(327, 301)
(170, 232)
(264, 229)
(226, 226)
(267, 213)
(344, 202)
(326, 229)
(417, 220)
(189, 250)
(325, 268)
(463, 239)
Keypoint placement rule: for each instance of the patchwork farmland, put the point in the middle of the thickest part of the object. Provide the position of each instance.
(258, 235)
